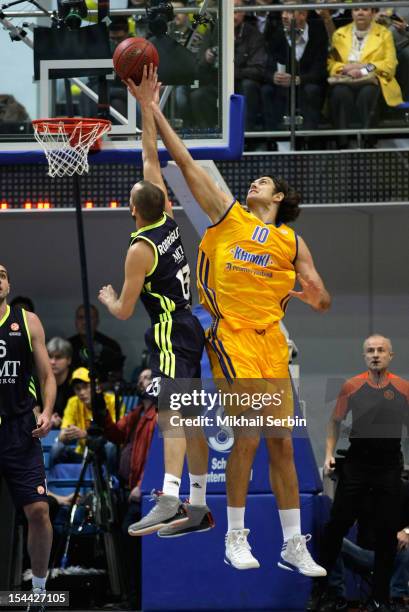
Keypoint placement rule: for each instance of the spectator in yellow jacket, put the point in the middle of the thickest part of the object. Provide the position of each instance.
(362, 65)
(77, 418)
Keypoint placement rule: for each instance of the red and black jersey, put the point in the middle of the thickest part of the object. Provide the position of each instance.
(17, 388)
(379, 414)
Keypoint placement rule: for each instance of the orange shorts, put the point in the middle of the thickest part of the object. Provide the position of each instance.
(251, 361)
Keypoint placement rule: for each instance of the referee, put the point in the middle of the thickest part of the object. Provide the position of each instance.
(22, 344)
(379, 403)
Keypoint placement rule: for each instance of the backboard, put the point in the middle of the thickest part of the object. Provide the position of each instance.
(200, 105)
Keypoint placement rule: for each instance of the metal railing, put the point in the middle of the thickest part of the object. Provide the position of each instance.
(266, 8)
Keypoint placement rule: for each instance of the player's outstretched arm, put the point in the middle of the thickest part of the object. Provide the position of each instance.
(45, 374)
(313, 291)
(147, 91)
(211, 199)
(140, 260)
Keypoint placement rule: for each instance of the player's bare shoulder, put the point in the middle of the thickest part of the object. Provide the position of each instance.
(141, 255)
(34, 325)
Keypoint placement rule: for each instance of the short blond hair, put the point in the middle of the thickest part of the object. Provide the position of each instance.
(388, 340)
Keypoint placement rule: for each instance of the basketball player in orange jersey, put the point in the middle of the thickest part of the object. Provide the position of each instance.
(248, 263)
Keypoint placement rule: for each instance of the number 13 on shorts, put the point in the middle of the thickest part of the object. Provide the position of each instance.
(183, 277)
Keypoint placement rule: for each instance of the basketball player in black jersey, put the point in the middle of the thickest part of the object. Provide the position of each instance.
(156, 270)
(22, 344)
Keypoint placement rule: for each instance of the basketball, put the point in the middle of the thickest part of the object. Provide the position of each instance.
(131, 55)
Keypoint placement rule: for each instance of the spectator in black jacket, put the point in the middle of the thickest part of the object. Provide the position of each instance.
(267, 21)
(398, 25)
(203, 100)
(108, 354)
(310, 68)
(249, 65)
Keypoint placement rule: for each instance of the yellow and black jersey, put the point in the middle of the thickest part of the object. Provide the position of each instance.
(246, 269)
(167, 286)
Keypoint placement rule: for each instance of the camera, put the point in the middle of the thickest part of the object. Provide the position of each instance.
(72, 12)
(159, 14)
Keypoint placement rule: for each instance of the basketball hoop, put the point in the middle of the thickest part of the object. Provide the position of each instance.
(67, 141)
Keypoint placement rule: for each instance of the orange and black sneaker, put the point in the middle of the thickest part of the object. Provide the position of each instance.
(168, 510)
(199, 519)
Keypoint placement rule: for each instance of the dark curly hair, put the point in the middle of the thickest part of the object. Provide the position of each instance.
(290, 206)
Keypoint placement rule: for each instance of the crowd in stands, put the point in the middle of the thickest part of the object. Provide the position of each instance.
(349, 66)
(345, 64)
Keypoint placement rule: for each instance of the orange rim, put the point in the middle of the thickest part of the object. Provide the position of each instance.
(70, 123)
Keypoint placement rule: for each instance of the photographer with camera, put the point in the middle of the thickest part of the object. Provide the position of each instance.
(190, 35)
(202, 103)
(249, 65)
(134, 431)
(77, 420)
(379, 402)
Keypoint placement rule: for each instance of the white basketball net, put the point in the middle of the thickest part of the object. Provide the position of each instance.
(64, 158)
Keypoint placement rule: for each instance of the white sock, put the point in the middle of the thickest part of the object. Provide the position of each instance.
(171, 485)
(39, 583)
(290, 523)
(197, 495)
(235, 518)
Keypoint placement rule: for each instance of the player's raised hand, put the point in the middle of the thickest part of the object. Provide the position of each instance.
(311, 292)
(146, 92)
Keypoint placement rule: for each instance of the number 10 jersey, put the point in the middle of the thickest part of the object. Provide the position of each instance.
(245, 269)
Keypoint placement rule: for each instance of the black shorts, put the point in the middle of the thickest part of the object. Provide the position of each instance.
(21, 460)
(175, 350)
